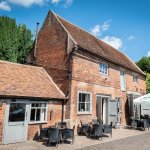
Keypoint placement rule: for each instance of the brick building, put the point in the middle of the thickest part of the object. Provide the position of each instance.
(95, 77)
(29, 100)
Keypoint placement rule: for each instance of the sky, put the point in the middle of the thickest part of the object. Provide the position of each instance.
(124, 24)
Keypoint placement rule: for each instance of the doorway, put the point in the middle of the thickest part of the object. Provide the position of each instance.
(16, 122)
(102, 108)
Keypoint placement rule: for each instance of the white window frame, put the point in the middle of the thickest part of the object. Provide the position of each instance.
(100, 68)
(36, 122)
(84, 112)
(124, 80)
(135, 75)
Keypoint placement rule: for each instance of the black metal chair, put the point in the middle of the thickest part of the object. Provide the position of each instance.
(68, 134)
(145, 123)
(43, 133)
(108, 129)
(98, 131)
(54, 136)
(84, 129)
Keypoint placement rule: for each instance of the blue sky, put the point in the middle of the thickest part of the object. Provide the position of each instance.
(125, 24)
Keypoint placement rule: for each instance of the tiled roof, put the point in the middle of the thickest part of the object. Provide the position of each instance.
(27, 81)
(92, 44)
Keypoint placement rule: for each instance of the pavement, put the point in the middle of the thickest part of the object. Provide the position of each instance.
(139, 142)
(122, 139)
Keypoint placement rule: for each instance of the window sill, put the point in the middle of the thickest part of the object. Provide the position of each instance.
(84, 113)
(38, 122)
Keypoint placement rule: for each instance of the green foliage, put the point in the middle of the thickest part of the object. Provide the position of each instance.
(15, 40)
(148, 82)
(144, 65)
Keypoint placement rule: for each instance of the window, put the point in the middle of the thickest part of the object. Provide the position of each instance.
(104, 69)
(17, 112)
(38, 112)
(135, 78)
(122, 81)
(84, 102)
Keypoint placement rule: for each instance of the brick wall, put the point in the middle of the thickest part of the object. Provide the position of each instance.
(2, 113)
(56, 108)
(86, 77)
(52, 51)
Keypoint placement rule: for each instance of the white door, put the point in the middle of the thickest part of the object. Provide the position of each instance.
(16, 122)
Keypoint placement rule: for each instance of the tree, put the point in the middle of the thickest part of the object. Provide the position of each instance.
(148, 82)
(15, 40)
(144, 65)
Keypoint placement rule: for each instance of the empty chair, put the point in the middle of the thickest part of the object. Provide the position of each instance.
(98, 131)
(84, 128)
(108, 129)
(68, 134)
(53, 135)
(43, 133)
(145, 123)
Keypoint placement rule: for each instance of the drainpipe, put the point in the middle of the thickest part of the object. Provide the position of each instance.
(36, 36)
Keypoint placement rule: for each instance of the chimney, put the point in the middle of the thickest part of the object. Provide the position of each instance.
(36, 36)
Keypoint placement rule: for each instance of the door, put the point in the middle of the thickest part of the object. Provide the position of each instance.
(112, 111)
(102, 108)
(16, 122)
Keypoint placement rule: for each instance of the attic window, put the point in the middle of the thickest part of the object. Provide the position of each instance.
(104, 68)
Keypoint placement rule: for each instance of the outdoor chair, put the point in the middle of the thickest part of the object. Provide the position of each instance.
(134, 123)
(43, 133)
(83, 129)
(145, 123)
(69, 134)
(54, 136)
(98, 131)
(108, 129)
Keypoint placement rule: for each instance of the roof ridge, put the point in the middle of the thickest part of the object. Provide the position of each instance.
(24, 65)
(96, 38)
(86, 32)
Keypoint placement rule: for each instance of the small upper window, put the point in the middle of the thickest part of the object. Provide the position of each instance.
(135, 78)
(104, 69)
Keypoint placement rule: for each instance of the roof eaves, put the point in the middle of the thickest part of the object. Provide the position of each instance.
(134, 64)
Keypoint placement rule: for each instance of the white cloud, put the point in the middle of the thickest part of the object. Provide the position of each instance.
(4, 6)
(148, 54)
(98, 30)
(55, 1)
(27, 3)
(68, 3)
(113, 41)
(131, 37)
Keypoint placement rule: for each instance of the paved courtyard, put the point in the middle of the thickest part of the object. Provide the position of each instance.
(119, 141)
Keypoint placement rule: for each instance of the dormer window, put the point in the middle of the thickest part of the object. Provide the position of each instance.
(104, 68)
(135, 78)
